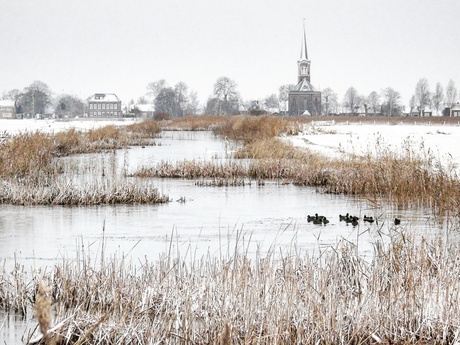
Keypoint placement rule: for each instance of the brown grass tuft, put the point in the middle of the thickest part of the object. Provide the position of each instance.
(43, 309)
(146, 128)
(225, 337)
(251, 128)
(193, 123)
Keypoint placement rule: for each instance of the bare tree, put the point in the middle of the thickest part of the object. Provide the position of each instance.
(35, 98)
(154, 88)
(226, 94)
(438, 98)
(69, 106)
(422, 95)
(142, 100)
(352, 100)
(451, 93)
(166, 102)
(181, 97)
(13, 95)
(283, 96)
(373, 102)
(391, 106)
(329, 100)
(412, 104)
(271, 102)
(192, 104)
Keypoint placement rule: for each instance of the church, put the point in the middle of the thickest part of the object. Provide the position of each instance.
(304, 99)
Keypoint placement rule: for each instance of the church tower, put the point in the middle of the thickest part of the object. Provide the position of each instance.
(304, 99)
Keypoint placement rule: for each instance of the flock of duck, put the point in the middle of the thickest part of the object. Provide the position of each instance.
(349, 219)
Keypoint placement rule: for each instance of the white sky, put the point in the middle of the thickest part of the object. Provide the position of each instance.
(88, 46)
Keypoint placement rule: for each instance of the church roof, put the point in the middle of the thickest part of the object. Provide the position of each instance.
(304, 85)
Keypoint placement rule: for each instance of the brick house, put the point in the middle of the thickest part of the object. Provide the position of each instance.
(104, 105)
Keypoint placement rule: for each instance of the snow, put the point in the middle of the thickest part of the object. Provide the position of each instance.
(51, 125)
(440, 141)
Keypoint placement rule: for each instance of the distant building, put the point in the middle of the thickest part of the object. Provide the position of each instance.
(304, 99)
(7, 109)
(455, 110)
(104, 105)
(145, 110)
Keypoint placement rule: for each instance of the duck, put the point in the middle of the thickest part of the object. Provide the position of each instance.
(317, 221)
(352, 219)
(397, 221)
(345, 217)
(369, 219)
(325, 220)
(315, 217)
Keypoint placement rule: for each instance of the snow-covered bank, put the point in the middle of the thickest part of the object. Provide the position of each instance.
(51, 125)
(441, 141)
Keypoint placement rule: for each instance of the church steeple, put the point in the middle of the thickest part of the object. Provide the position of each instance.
(303, 64)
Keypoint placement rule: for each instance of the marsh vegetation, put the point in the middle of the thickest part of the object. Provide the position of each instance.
(404, 292)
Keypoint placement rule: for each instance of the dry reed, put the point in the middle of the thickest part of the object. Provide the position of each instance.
(101, 193)
(193, 123)
(406, 294)
(249, 128)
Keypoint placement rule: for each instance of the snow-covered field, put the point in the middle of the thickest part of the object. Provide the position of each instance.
(50, 125)
(440, 141)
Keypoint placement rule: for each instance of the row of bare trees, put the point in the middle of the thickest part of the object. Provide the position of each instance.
(37, 98)
(177, 101)
(423, 99)
(387, 102)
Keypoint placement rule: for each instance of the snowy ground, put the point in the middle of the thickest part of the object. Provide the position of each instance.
(50, 125)
(440, 141)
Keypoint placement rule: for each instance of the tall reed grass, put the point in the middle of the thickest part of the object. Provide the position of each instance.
(406, 293)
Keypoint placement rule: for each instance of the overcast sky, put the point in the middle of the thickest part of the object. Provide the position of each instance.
(119, 46)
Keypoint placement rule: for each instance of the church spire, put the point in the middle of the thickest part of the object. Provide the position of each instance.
(304, 64)
(303, 50)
